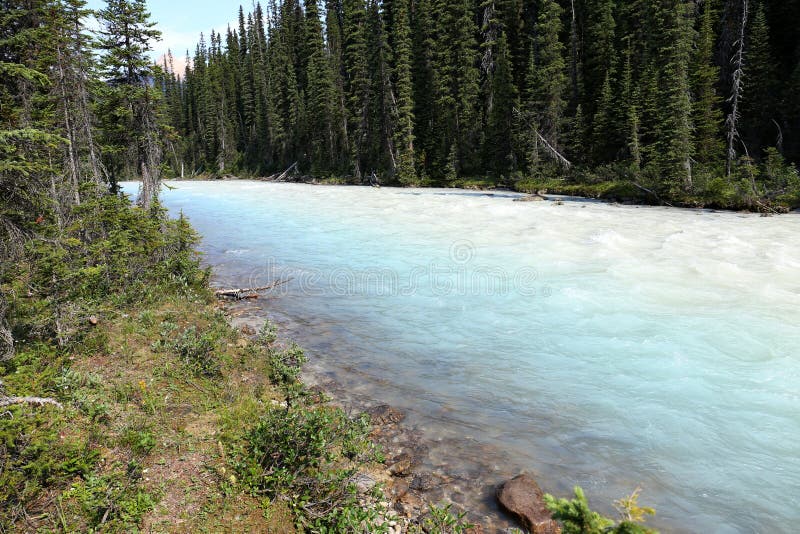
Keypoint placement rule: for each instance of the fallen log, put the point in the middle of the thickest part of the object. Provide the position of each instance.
(248, 292)
(284, 174)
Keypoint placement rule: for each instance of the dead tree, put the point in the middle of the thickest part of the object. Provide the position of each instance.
(539, 138)
(737, 88)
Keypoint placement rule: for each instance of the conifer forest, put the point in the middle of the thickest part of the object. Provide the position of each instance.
(682, 98)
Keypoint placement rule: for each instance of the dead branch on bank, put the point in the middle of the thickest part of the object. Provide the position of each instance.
(248, 292)
(6, 400)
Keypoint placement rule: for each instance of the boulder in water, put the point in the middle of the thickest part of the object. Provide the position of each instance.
(522, 498)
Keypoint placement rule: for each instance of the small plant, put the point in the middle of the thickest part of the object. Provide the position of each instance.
(442, 520)
(285, 365)
(111, 500)
(140, 440)
(268, 333)
(301, 453)
(197, 352)
(577, 518)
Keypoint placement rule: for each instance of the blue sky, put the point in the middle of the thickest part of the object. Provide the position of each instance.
(181, 21)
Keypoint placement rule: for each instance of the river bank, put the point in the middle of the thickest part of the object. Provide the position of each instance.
(622, 191)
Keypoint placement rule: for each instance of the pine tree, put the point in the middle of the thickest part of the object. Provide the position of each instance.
(706, 110)
(400, 32)
(673, 128)
(499, 150)
(761, 87)
(128, 104)
(356, 79)
(320, 93)
(546, 81)
(600, 53)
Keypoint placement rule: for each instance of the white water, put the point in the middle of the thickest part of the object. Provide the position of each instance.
(600, 345)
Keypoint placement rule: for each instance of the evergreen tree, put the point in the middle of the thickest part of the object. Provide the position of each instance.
(707, 111)
(760, 98)
(128, 104)
(356, 78)
(599, 51)
(499, 150)
(546, 81)
(400, 32)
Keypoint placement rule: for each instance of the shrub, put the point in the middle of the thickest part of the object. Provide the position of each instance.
(285, 365)
(197, 352)
(300, 453)
(577, 518)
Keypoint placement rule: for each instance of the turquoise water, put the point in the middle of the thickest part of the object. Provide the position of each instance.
(601, 345)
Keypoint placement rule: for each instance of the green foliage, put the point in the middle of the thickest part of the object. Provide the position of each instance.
(403, 88)
(139, 439)
(285, 365)
(112, 499)
(196, 351)
(576, 517)
(268, 333)
(300, 453)
(442, 520)
(111, 253)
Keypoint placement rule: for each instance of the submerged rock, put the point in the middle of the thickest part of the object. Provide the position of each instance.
(535, 197)
(522, 498)
(385, 415)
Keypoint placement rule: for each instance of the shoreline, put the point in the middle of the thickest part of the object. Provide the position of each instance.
(415, 480)
(618, 192)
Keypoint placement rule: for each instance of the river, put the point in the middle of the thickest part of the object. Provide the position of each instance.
(608, 346)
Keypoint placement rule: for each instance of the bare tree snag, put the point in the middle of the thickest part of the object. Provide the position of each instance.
(736, 92)
(550, 149)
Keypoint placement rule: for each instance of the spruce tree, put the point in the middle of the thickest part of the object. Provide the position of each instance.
(706, 107)
(499, 150)
(761, 87)
(546, 81)
(320, 94)
(400, 31)
(127, 103)
(356, 79)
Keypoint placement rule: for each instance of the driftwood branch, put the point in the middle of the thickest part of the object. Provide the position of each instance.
(282, 176)
(646, 190)
(550, 149)
(35, 401)
(248, 292)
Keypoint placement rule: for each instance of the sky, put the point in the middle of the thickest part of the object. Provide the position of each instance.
(181, 21)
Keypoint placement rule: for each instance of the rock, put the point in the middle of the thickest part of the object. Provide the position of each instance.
(476, 529)
(424, 482)
(248, 330)
(385, 415)
(522, 498)
(364, 482)
(533, 197)
(93, 320)
(401, 465)
(408, 505)
(399, 487)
